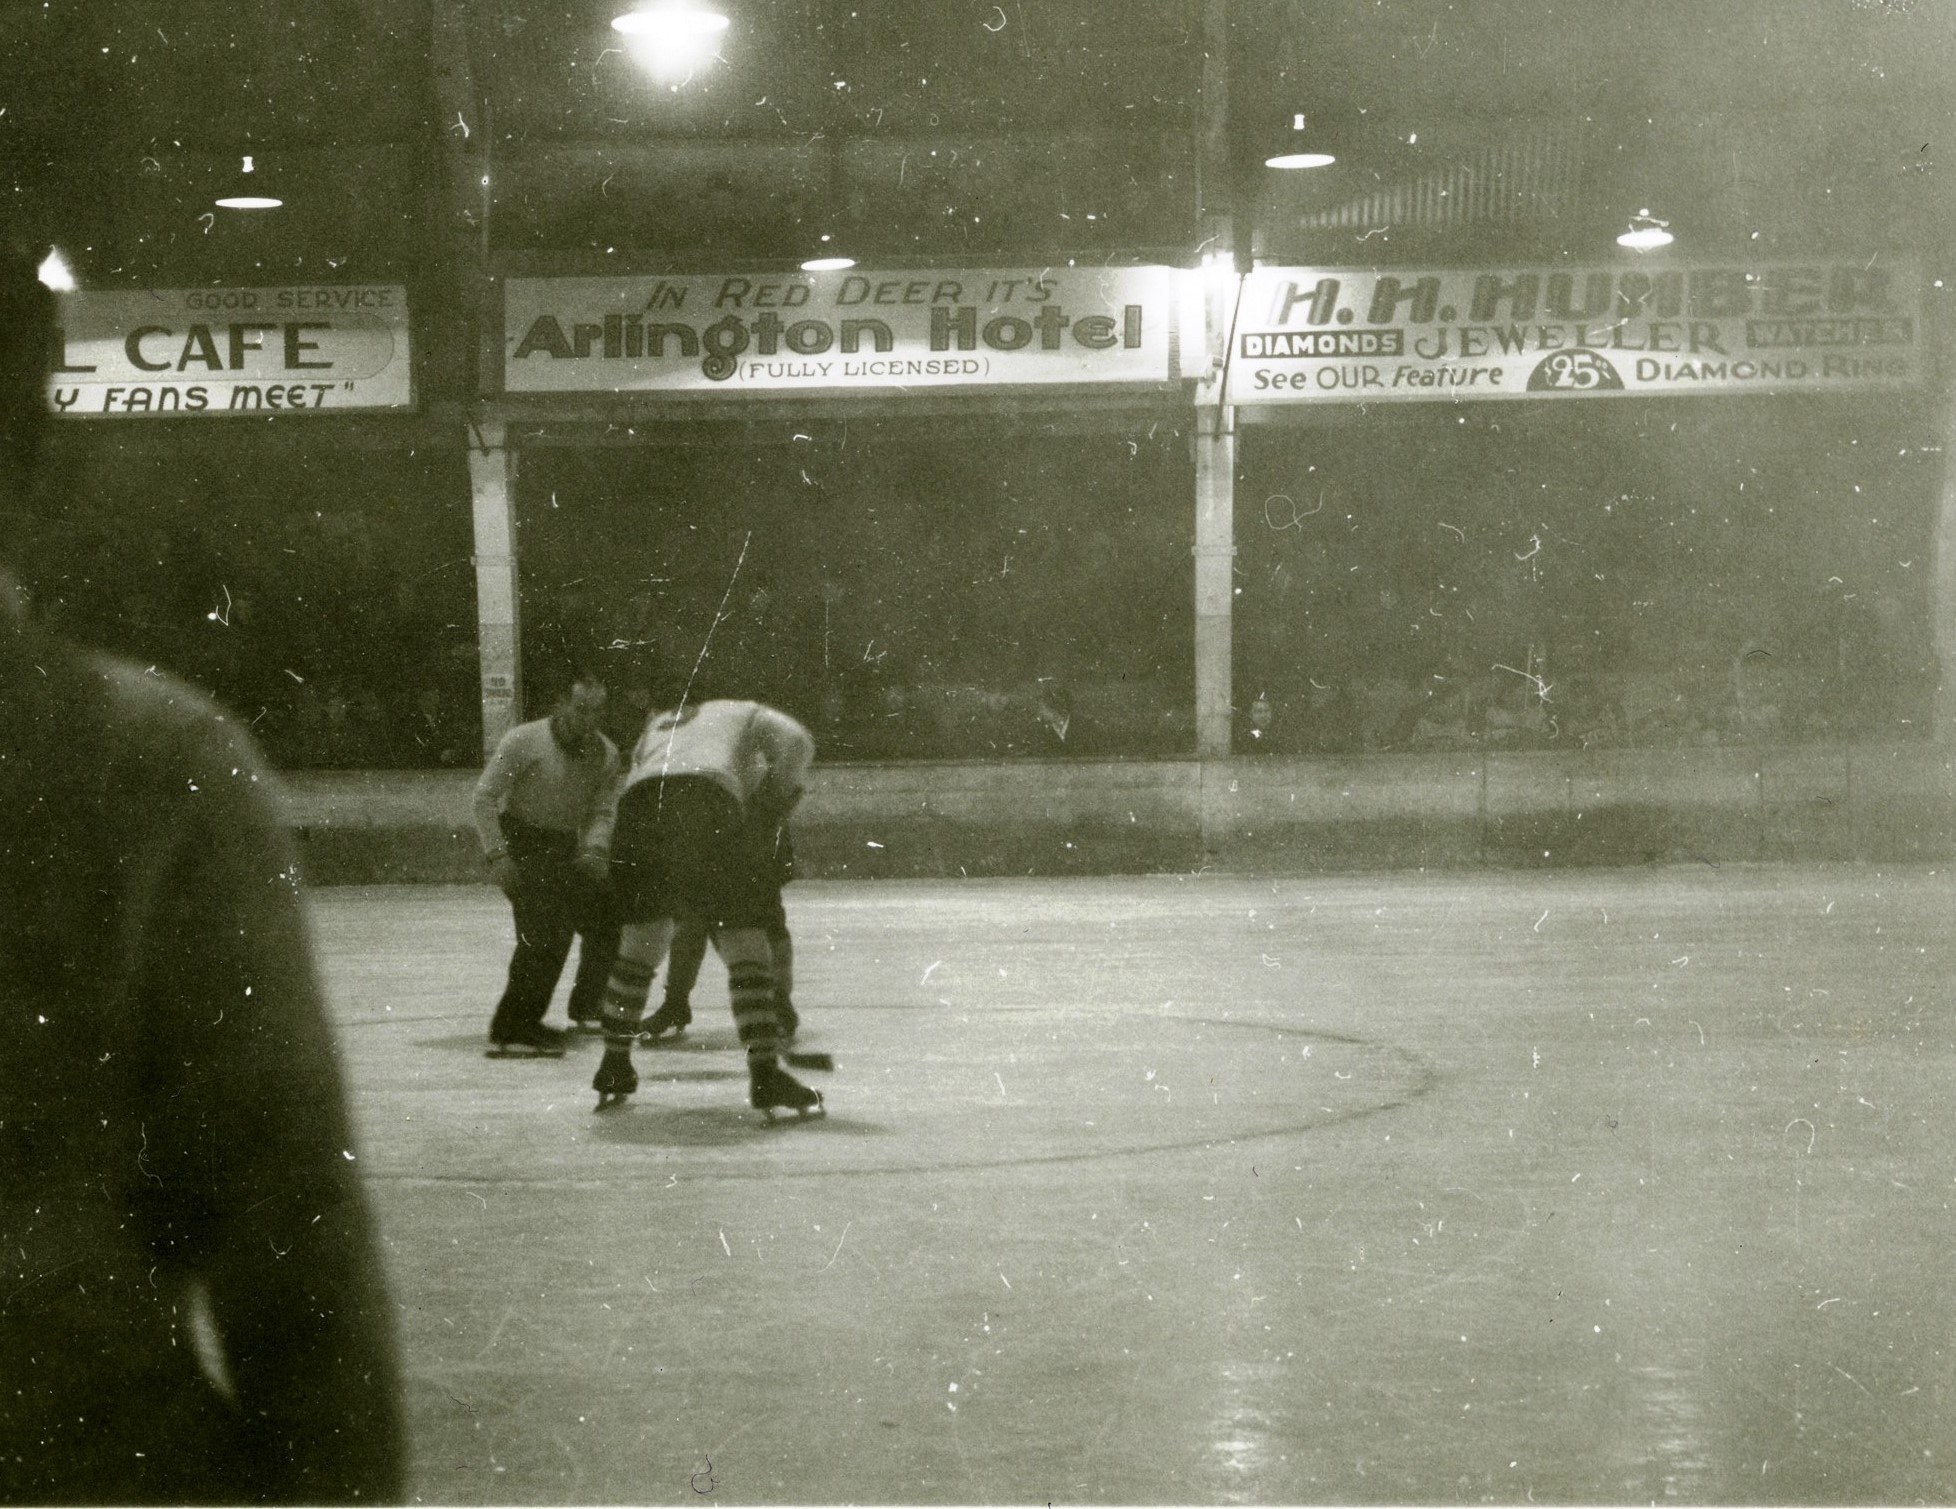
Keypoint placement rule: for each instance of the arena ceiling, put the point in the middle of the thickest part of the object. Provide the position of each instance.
(946, 130)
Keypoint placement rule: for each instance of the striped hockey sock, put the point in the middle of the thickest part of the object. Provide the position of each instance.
(752, 987)
(625, 994)
(782, 948)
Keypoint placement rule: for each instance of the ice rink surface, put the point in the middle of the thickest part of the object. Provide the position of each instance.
(1572, 1186)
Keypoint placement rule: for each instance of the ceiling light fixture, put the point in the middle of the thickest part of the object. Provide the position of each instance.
(1646, 233)
(247, 199)
(672, 39)
(54, 273)
(673, 23)
(827, 261)
(1292, 161)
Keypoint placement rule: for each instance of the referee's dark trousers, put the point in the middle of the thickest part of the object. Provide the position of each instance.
(554, 901)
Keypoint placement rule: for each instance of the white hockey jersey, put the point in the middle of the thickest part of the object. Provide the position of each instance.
(759, 755)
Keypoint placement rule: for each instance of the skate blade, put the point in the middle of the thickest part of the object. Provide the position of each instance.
(609, 1098)
(822, 1061)
(806, 1113)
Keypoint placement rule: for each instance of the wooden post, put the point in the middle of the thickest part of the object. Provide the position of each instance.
(492, 493)
(1944, 602)
(1215, 422)
(1215, 572)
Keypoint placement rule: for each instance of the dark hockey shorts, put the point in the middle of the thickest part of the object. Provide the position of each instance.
(682, 848)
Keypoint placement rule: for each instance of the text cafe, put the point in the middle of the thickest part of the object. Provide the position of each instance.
(233, 351)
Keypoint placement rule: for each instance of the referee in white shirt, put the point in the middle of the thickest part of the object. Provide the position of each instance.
(534, 806)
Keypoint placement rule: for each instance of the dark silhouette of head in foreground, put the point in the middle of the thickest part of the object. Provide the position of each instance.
(191, 1309)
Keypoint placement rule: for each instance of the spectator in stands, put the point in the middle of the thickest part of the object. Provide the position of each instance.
(1262, 718)
(628, 705)
(1056, 728)
(435, 732)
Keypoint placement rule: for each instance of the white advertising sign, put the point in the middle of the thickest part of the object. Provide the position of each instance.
(205, 351)
(813, 332)
(1332, 335)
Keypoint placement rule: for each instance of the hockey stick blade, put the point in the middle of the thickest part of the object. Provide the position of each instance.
(823, 1061)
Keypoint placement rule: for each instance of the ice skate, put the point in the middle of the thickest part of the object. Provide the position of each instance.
(526, 1042)
(773, 1088)
(672, 1016)
(615, 1079)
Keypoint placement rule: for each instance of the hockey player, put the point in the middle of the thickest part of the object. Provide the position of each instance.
(709, 787)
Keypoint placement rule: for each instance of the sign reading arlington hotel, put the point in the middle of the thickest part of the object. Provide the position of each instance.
(816, 331)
